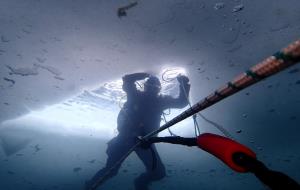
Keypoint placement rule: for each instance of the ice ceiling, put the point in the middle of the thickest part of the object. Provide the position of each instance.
(54, 54)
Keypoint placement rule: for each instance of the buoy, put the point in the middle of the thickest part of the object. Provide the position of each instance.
(224, 149)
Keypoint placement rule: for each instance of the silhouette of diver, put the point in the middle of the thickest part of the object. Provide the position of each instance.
(140, 115)
(273, 179)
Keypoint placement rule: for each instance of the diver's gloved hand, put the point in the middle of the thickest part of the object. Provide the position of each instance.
(182, 79)
(184, 83)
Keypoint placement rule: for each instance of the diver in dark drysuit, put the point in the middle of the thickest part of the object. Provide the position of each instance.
(140, 115)
(273, 179)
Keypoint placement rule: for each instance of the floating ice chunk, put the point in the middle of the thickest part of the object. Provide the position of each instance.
(279, 27)
(59, 78)
(212, 171)
(41, 60)
(4, 39)
(190, 29)
(296, 70)
(259, 148)
(26, 31)
(37, 148)
(238, 8)
(22, 71)
(245, 115)
(2, 51)
(219, 6)
(122, 10)
(77, 169)
(9, 80)
(92, 161)
(10, 172)
(48, 68)
(99, 60)
(43, 41)
(57, 39)
(235, 48)
(272, 110)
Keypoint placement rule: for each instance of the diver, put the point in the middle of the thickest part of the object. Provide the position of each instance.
(235, 155)
(140, 115)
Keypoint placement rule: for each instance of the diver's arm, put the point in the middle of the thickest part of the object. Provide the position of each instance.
(135, 77)
(182, 100)
(130, 79)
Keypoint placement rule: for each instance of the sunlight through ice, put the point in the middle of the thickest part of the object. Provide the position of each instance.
(93, 112)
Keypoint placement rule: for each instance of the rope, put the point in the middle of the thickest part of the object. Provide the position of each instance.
(218, 126)
(196, 126)
(270, 66)
(165, 120)
(166, 79)
(164, 114)
(196, 131)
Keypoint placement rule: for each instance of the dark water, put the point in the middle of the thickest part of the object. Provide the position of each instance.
(56, 55)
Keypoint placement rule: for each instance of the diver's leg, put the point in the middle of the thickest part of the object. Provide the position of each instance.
(116, 148)
(155, 169)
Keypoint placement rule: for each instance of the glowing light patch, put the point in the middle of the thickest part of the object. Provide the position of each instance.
(92, 112)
